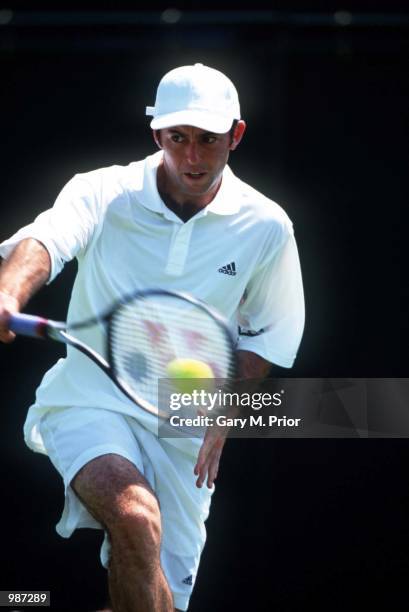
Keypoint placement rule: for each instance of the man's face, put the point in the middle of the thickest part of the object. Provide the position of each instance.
(194, 159)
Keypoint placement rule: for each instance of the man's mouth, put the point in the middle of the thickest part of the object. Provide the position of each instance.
(194, 175)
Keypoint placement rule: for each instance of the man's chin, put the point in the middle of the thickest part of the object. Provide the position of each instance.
(198, 187)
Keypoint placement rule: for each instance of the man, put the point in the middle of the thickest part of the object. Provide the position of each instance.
(179, 219)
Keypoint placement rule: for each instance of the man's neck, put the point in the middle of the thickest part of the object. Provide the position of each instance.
(185, 210)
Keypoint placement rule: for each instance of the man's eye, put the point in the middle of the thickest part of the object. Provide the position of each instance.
(209, 139)
(176, 138)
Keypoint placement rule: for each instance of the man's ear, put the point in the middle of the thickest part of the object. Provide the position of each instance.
(156, 137)
(238, 134)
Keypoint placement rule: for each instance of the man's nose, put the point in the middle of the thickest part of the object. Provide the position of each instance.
(192, 153)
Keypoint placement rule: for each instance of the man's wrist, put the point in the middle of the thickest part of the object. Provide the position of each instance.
(8, 301)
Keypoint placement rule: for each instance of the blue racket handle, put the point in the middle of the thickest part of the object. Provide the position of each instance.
(28, 325)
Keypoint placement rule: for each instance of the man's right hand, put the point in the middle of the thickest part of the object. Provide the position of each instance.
(21, 275)
(8, 305)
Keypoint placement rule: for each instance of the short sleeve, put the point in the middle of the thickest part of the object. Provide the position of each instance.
(66, 228)
(274, 299)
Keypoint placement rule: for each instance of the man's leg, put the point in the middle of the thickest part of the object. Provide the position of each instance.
(119, 497)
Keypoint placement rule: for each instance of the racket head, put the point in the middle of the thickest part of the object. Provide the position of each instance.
(149, 329)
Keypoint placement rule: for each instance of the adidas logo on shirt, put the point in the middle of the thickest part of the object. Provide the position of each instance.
(229, 269)
(188, 580)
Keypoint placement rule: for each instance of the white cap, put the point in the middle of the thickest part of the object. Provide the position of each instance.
(195, 95)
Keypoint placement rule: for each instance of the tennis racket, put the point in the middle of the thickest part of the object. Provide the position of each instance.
(144, 333)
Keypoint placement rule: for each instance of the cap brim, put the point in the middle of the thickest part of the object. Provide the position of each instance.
(203, 120)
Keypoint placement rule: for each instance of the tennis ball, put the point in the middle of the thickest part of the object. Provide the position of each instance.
(186, 372)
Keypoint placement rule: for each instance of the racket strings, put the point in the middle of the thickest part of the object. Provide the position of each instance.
(147, 334)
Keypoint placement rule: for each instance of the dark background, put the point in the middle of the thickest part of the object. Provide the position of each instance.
(295, 523)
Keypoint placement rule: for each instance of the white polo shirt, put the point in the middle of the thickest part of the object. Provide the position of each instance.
(238, 254)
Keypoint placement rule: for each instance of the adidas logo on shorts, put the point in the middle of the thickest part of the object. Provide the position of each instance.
(188, 580)
(229, 269)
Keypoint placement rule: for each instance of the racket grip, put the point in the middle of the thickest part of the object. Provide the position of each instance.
(28, 325)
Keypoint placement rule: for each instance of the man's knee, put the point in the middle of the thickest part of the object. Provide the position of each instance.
(135, 518)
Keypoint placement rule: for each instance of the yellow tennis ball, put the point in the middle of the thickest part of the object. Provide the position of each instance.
(186, 372)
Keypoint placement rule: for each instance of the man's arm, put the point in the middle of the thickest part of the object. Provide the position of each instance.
(250, 366)
(21, 275)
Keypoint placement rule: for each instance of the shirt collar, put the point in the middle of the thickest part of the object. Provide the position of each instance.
(226, 201)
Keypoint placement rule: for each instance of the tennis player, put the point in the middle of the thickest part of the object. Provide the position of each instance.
(179, 220)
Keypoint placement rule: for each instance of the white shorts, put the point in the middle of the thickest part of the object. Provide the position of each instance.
(75, 436)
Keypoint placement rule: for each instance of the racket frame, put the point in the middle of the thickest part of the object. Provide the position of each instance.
(38, 327)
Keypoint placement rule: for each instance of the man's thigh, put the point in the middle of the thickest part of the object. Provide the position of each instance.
(110, 486)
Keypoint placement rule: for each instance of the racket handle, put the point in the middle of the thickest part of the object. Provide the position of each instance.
(28, 325)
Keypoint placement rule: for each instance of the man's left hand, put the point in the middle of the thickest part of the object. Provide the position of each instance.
(209, 455)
